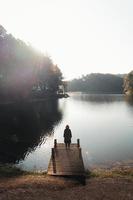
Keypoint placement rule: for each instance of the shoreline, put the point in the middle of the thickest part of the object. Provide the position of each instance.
(99, 185)
(8, 170)
(36, 99)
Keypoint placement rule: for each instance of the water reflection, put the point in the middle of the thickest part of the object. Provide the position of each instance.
(24, 126)
(129, 100)
(97, 98)
(104, 124)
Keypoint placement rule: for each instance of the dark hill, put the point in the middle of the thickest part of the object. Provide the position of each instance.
(97, 83)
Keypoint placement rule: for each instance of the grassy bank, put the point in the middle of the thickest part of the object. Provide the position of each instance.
(12, 171)
(111, 173)
(114, 184)
(8, 170)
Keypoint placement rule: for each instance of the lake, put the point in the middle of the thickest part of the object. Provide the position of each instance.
(104, 124)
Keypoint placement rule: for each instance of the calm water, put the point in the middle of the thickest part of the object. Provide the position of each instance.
(104, 124)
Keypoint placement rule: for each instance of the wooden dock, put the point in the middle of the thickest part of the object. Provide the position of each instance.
(66, 162)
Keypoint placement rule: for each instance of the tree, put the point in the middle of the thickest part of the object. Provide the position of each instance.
(97, 83)
(21, 67)
(2, 31)
(128, 84)
(50, 76)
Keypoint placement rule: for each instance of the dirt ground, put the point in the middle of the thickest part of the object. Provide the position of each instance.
(52, 188)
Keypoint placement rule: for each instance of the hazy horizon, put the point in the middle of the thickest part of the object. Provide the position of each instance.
(80, 76)
(81, 36)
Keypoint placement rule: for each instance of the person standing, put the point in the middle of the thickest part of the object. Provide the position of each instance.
(67, 136)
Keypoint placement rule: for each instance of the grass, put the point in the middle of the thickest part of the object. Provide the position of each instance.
(111, 173)
(8, 170)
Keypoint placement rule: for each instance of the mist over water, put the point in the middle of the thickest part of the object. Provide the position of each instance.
(104, 124)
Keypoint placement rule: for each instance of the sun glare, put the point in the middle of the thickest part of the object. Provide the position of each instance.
(80, 36)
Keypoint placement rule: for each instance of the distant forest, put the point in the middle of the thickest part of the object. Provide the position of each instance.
(98, 83)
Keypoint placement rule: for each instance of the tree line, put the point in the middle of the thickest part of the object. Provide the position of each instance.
(97, 83)
(103, 83)
(25, 71)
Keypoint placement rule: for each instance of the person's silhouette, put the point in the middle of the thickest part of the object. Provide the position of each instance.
(67, 136)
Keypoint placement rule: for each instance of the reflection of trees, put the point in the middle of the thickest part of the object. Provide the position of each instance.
(129, 99)
(23, 127)
(98, 98)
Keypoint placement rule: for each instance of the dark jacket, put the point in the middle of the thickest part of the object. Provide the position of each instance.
(67, 135)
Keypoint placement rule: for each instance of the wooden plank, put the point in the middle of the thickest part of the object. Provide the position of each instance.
(66, 161)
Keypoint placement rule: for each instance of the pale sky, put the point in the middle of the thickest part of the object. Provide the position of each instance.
(81, 36)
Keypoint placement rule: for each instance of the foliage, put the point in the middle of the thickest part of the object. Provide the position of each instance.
(97, 83)
(10, 171)
(50, 76)
(128, 83)
(21, 67)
